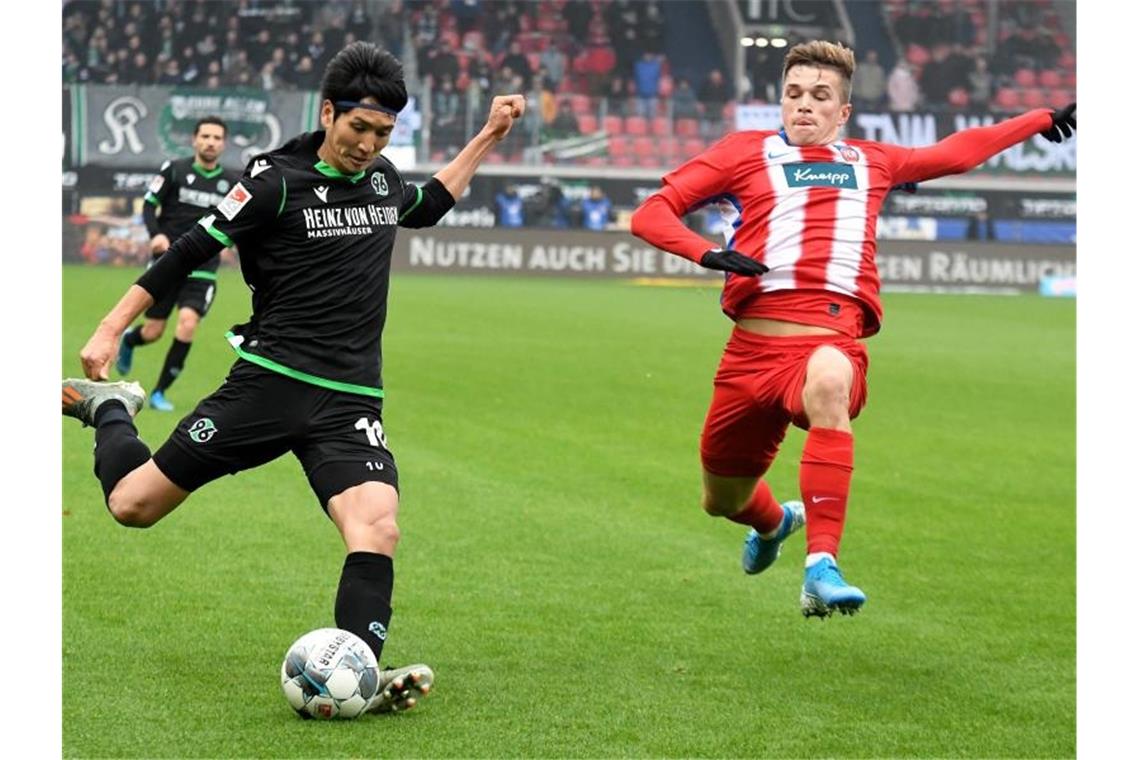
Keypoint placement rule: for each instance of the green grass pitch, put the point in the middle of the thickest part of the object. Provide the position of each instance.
(555, 568)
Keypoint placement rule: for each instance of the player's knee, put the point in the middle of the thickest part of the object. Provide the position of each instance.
(130, 512)
(720, 505)
(152, 332)
(187, 324)
(828, 393)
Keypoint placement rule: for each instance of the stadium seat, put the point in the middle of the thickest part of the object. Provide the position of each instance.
(622, 161)
(1024, 78)
(1067, 61)
(1006, 99)
(917, 55)
(1049, 78)
(688, 127)
(644, 146)
(1034, 97)
(1069, 80)
(636, 125)
(588, 123)
(1060, 98)
(580, 104)
(613, 125)
(668, 146)
(692, 147)
(650, 161)
(661, 126)
(619, 146)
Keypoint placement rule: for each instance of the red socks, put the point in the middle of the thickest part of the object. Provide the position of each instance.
(762, 511)
(825, 479)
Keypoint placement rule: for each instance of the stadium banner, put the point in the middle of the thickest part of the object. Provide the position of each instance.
(903, 265)
(1036, 156)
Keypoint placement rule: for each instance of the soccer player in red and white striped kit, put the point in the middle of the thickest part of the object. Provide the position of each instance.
(800, 206)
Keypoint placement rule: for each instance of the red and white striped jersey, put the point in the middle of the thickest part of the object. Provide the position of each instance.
(809, 213)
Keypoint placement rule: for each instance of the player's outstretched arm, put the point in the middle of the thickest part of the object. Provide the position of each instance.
(505, 111)
(962, 151)
(101, 347)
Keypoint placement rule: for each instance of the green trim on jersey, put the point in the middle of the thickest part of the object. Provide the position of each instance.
(331, 171)
(202, 274)
(215, 233)
(284, 195)
(151, 198)
(207, 173)
(419, 199)
(304, 377)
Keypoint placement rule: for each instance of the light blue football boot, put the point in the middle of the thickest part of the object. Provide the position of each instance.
(126, 356)
(825, 591)
(759, 553)
(158, 401)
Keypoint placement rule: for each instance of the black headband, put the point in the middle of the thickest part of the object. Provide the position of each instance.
(350, 104)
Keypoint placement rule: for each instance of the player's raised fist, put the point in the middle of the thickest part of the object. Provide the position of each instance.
(505, 110)
(96, 355)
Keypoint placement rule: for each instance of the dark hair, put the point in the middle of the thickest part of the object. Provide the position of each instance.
(364, 70)
(210, 120)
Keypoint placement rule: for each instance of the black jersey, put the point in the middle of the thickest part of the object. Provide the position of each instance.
(316, 250)
(183, 192)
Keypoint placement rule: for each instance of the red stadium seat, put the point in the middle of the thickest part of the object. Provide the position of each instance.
(613, 125)
(588, 123)
(1034, 97)
(667, 146)
(649, 161)
(619, 146)
(1006, 99)
(580, 104)
(917, 55)
(1069, 80)
(1025, 78)
(1060, 98)
(636, 125)
(1049, 78)
(661, 126)
(1067, 61)
(622, 161)
(692, 147)
(644, 146)
(688, 127)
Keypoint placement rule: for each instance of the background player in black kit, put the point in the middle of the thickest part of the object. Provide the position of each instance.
(177, 198)
(315, 220)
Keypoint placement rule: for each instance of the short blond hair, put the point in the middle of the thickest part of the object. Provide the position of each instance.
(822, 53)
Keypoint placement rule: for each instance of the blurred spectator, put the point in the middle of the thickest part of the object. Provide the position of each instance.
(597, 210)
(554, 61)
(981, 84)
(565, 123)
(647, 79)
(578, 14)
(517, 62)
(981, 227)
(441, 64)
(870, 83)
(714, 94)
(391, 25)
(550, 205)
(685, 104)
(510, 208)
(651, 28)
(617, 98)
(503, 26)
(466, 14)
(936, 79)
(304, 75)
(902, 89)
(446, 116)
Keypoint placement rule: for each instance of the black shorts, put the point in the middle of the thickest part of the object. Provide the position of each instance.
(257, 415)
(196, 293)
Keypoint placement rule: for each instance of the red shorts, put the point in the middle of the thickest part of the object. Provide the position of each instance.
(758, 391)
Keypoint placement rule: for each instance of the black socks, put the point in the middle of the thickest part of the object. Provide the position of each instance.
(118, 449)
(364, 598)
(175, 359)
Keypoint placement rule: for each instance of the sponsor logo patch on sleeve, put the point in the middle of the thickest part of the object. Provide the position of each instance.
(234, 201)
(156, 184)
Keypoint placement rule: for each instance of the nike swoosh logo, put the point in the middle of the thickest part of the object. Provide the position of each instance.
(258, 168)
(773, 156)
(818, 499)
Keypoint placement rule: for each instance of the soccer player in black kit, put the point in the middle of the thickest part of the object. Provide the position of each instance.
(315, 220)
(176, 199)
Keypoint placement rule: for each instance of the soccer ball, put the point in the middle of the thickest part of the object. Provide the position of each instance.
(329, 673)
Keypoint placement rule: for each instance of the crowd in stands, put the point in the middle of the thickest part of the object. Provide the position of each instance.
(587, 66)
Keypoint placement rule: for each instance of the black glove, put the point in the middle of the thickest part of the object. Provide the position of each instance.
(1064, 122)
(728, 260)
